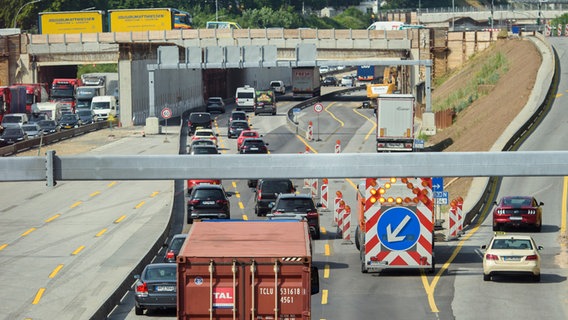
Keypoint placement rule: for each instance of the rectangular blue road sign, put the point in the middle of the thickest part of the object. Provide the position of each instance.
(437, 184)
(440, 194)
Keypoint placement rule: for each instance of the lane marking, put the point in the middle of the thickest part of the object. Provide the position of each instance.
(53, 218)
(241, 205)
(237, 194)
(112, 184)
(324, 297)
(332, 115)
(245, 217)
(323, 230)
(30, 230)
(96, 193)
(326, 249)
(155, 193)
(306, 144)
(139, 205)
(120, 219)
(76, 204)
(55, 271)
(76, 252)
(373, 129)
(38, 295)
(101, 232)
(234, 184)
(3, 246)
(326, 271)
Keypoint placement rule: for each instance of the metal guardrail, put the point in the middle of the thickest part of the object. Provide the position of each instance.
(53, 138)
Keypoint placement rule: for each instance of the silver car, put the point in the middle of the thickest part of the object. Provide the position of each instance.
(33, 130)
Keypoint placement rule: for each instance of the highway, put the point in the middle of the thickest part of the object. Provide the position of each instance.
(61, 249)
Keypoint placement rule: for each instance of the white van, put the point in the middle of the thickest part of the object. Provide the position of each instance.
(386, 25)
(14, 120)
(104, 106)
(244, 97)
(278, 86)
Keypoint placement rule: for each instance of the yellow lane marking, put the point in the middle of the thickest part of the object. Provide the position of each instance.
(3, 246)
(326, 249)
(120, 219)
(101, 232)
(306, 144)
(241, 205)
(53, 218)
(332, 115)
(155, 193)
(30, 230)
(245, 217)
(38, 295)
(323, 230)
(76, 204)
(112, 184)
(372, 130)
(55, 271)
(324, 297)
(326, 271)
(563, 218)
(95, 193)
(558, 95)
(139, 205)
(234, 184)
(76, 252)
(237, 194)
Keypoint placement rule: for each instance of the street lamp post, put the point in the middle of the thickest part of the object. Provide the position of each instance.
(17, 13)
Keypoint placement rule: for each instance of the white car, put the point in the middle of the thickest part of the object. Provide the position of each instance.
(206, 134)
(511, 254)
(278, 86)
(347, 81)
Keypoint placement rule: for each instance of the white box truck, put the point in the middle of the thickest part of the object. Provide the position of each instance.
(395, 123)
(104, 106)
(306, 82)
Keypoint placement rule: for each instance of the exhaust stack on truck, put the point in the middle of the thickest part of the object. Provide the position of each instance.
(246, 270)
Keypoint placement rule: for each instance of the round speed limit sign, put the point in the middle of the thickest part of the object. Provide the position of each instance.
(318, 107)
(166, 113)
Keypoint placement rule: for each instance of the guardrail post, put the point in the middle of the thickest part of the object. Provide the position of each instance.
(50, 168)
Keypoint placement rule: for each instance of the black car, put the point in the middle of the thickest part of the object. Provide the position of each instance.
(236, 127)
(199, 120)
(254, 145)
(173, 247)
(299, 204)
(329, 81)
(49, 126)
(156, 287)
(12, 135)
(87, 116)
(69, 121)
(208, 201)
(266, 192)
(237, 115)
(215, 104)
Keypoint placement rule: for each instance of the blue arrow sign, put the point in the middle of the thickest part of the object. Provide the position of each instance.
(398, 228)
(437, 184)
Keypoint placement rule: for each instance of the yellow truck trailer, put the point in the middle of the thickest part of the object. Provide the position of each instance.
(71, 22)
(132, 20)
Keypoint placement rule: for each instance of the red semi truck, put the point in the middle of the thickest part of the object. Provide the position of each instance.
(35, 92)
(246, 270)
(12, 100)
(63, 91)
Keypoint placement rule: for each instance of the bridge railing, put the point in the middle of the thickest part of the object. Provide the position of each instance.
(202, 34)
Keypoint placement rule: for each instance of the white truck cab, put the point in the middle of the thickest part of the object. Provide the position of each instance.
(104, 106)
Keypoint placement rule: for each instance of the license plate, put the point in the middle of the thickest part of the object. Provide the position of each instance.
(165, 289)
(512, 258)
(516, 218)
(253, 149)
(208, 202)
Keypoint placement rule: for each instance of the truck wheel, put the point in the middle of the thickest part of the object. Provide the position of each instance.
(362, 258)
(486, 277)
(189, 220)
(139, 311)
(357, 243)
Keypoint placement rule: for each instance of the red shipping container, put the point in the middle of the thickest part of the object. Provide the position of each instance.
(245, 270)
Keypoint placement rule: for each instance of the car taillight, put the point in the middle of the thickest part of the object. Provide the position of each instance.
(500, 211)
(531, 211)
(142, 289)
(312, 214)
(491, 257)
(193, 202)
(532, 257)
(170, 255)
(222, 201)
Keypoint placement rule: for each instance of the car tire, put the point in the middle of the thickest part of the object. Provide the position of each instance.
(189, 220)
(274, 113)
(317, 234)
(538, 228)
(536, 278)
(496, 227)
(138, 311)
(486, 277)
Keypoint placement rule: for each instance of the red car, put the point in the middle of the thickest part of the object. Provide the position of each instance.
(193, 183)
(246, 134)
(517, 211)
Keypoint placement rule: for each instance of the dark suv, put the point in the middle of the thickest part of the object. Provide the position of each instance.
(299, 204)
(266, 192)
(199, 120)
(173, 248)
(237, 115)
(208, 201)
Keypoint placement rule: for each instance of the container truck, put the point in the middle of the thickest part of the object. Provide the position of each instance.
(305, 82)
(246, 270)
(66, 22)
(132, 20)
(395, 224)
(368, 73)
(12, 100)
(85, 95)
(35, 92)
(395, 123)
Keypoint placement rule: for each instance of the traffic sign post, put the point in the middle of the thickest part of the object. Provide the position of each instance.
(440, 198)
(318, 108)
(166, 114)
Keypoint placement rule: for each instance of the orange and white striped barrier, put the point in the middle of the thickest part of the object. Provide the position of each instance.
(547, 30)
(314, 187)
(566, 30)
(336, 205)
(346, 226)
(323, 194)
(338, 146)
(459, 206)
(559, 28)
(310, 132)
(453, 224)
(340, 214)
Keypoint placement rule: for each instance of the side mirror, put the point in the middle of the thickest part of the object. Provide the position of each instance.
(271, 205)
(136, 276)
(541, 203)
(540, 247)
(319, 205)
(483, 247)
(314, 280)
(495, 202)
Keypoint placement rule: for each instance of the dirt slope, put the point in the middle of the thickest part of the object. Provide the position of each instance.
(478, 126)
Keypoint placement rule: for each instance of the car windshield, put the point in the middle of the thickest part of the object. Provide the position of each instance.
(249, 134)
(515, 244)
(100, 105)
(68, 117)
(276, 186)
(208, 194)
(177, 243)
(11, 119)
(294, 204)
(517, 202)
(28, 127)
(203, 150)
(203, 134)
(239, 125)
(238, 116)
(199, 117)
(203, 143)
(45, 123)
(12, 131)
(254, 143)
(161, 273)
(84, 112)
(215, 100)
